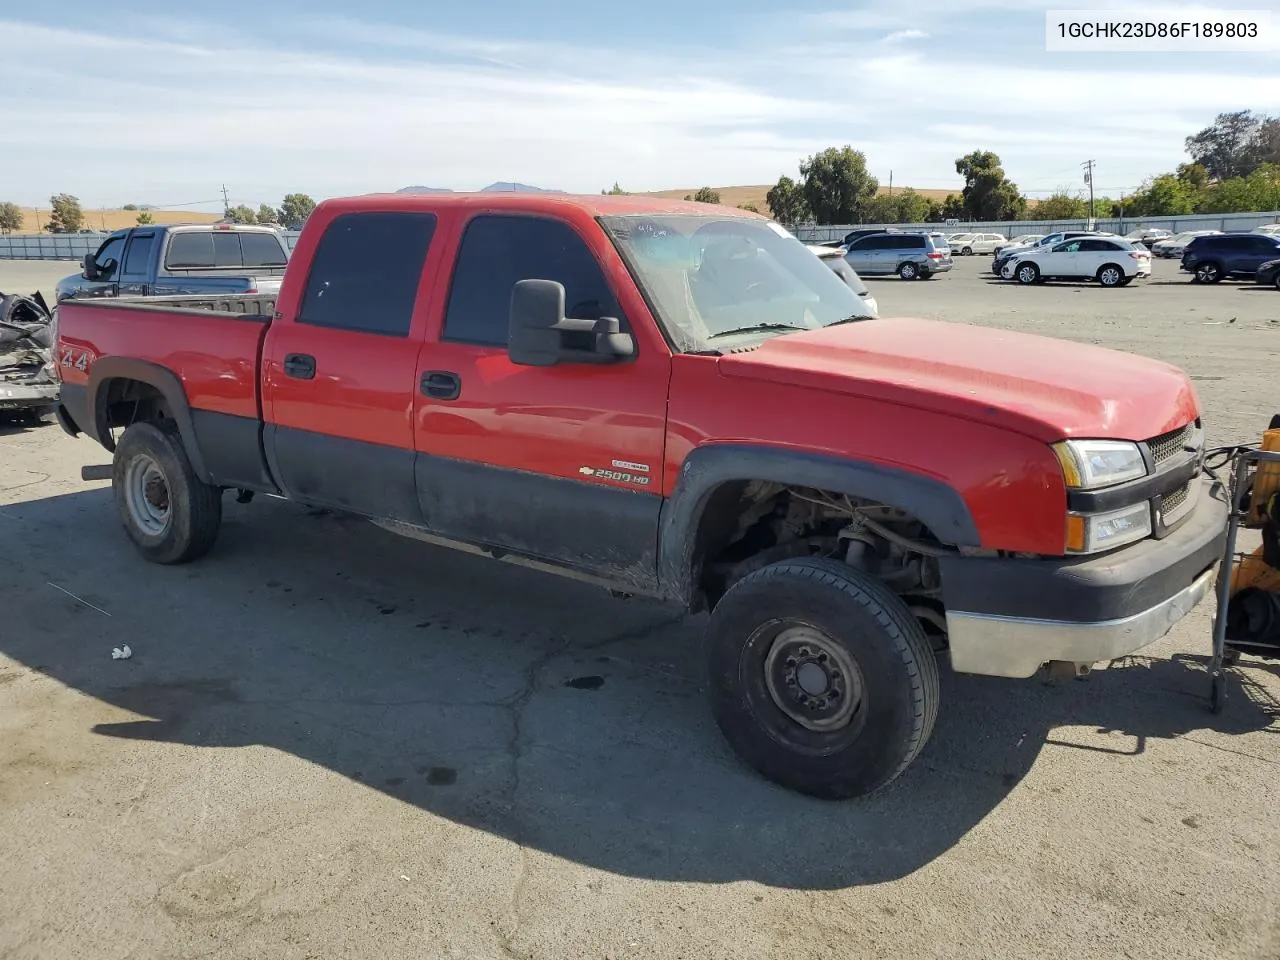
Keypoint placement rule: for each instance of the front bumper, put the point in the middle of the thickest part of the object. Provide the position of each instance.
(25, 396)
(1008, 616)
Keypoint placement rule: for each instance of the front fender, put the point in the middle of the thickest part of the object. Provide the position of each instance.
(939, 507)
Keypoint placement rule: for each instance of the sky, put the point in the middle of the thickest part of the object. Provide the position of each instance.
(138, 103)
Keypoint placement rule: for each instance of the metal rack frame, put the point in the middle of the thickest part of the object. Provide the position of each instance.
(1242, 461)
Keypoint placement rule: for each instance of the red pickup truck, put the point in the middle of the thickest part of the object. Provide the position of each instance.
(683, 403)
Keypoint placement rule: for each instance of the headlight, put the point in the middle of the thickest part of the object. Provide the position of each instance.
(1093, 533)
(1090, 464)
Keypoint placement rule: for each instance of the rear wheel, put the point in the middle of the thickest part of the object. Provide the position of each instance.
(1208, 272)
(966, 251)
(821, 678)
(167, 511)
(1110, 275)
(908, 271)
(1027, 273)
(1278, 279)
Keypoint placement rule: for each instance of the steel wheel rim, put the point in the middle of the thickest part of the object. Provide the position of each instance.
(147, 495)
(1110, 277)
(812, 679)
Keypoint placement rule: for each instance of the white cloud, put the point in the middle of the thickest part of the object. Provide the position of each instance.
(356, 107)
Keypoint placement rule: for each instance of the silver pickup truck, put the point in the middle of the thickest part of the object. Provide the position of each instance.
(181, 260)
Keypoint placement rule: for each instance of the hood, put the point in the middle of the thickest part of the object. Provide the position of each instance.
(1041, 387)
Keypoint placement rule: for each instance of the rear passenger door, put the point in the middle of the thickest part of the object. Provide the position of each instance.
(1260, 250)
(559, 463)
(339, 368)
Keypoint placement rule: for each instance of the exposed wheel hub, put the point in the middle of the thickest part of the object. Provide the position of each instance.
(812, 679)
(147, 495)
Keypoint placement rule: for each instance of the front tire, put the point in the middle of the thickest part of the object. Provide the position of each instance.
(1028, 273)
(821, 678)
(1208, 273)
(167, 511)
(966, 251)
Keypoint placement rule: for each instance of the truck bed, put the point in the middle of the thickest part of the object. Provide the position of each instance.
(213, 344)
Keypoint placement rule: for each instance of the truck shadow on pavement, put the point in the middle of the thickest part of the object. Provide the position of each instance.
(517, 703)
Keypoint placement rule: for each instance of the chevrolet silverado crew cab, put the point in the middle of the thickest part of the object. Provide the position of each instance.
(686, 404)
(198, 258)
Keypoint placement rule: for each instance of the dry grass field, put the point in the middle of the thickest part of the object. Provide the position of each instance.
(36, 218)
(738, 196)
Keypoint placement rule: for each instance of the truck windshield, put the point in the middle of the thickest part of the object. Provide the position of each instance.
(712, 279)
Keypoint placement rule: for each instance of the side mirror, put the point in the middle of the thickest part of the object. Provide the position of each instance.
(90, 264)
(540, 335)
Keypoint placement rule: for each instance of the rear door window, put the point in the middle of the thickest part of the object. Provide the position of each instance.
(497, 251)
(262, 250)
(365, 272)
(189, 251)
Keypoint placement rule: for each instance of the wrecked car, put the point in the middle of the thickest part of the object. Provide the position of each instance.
(28, 378)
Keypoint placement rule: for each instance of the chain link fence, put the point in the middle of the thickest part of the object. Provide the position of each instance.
(74, 246)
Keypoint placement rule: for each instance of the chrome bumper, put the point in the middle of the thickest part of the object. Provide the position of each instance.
(1018, 647)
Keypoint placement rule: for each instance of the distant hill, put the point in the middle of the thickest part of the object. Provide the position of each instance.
(502, 186)
(35, 220)
(737, 196)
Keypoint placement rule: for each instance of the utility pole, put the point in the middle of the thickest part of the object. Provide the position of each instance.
(891, 183)
(226, 204)
(1088, 178)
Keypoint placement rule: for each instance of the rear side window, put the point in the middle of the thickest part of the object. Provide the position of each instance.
(907, 243)
(872, 243)
(189, 250)
(497, 252)
(365, 272)
(138, 257)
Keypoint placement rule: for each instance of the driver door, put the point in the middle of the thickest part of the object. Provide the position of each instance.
(108, 258)
(562, 463)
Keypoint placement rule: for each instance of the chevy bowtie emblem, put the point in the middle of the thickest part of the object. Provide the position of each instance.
(586, 471)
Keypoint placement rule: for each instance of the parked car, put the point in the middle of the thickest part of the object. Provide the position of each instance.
(834, 258)
(1173, 247)
(605, 387)
(1269, 273)
(1147, 236)
(181, 259)
(1113, 262)
(1228, 256)
(967, 244)
(853, 235)
(912, 256)
(1005, 253)
(1270, 229)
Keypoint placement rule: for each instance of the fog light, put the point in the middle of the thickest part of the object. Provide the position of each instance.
(1093, 533)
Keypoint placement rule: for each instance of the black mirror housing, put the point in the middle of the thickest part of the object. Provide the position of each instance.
(540, 335)
(90, 265)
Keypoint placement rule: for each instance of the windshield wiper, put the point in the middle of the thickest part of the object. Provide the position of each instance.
(756, 327)
(854, 318)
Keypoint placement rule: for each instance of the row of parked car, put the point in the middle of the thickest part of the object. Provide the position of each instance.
(1115, 261)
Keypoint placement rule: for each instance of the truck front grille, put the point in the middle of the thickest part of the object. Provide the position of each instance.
(1171, 444)
(1175, 504)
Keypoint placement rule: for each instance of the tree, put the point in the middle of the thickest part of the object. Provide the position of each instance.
(905, 207)
(1266, 143)
(267, 214)
(1060, 205)
(67, 217)
(953, 207)
(145, 218)
(837, 186)
(294, 210)
(706, 195)
(615, 191)
(11, 217)
(1164, 196)
(241, 214)
(882, 208)
(786, 202)
(934, 213)
(130, 207)
(1260, 191)
(1193, 175)
(1229, 146)
(749, 206)
(988, 194)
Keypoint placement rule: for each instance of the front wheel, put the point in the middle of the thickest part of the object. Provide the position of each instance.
(1028, 273)
(821, 678)
(908, 271)
(167, 511)
(966, 251)
(1208, 273)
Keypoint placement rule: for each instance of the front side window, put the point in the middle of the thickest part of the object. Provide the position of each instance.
(497, 251)
(108, 258)
(714, 280)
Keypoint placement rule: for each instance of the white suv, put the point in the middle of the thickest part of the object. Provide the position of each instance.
(1112, 261)
(967, 244)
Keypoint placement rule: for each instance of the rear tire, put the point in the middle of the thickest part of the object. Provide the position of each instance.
(966, 251)
(908, 271)
(1110, 275)
(1208, 272)
(167, 511)
(1027, 273)
(821, 678)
